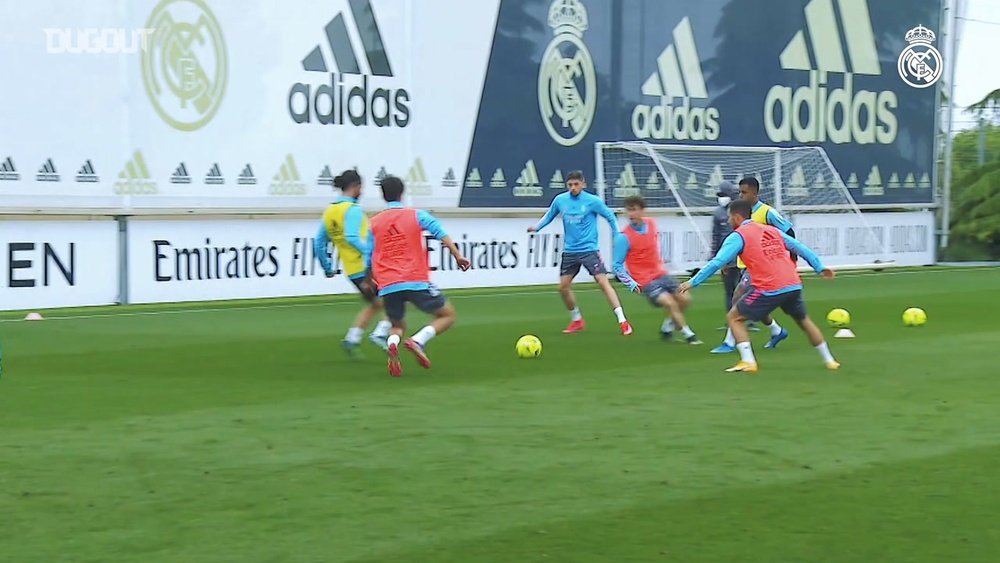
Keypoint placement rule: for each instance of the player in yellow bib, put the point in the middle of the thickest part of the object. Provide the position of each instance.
(763, 214)
(345, 224)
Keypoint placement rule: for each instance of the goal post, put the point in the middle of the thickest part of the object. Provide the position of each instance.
(800, 182)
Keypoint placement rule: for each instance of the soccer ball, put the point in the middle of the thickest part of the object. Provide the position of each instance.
(914, 316)
(528, 346)
(838, 318)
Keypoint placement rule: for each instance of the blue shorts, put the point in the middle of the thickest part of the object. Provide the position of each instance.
(755, 306)
(572, 261)
(429, 300)
(654, 289)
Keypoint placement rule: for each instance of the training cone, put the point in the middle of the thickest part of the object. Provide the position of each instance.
(33, 317)
(844, 333)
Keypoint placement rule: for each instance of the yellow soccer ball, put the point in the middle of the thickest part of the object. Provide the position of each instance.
(839, 318)
(528, 346)
(914, 316)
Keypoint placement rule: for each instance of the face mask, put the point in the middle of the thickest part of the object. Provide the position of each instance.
(724, 200)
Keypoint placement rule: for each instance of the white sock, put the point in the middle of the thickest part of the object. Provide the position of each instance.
(687, 332)
(424, 335)
(667, 326)
(382, 329)
(393, 339)
(575, 314)
(730, 340)
(824, 352)
(620, 314)
(775, 328)
(746, 352)
(354, 334)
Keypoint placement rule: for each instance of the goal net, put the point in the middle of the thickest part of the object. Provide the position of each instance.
(800, 182)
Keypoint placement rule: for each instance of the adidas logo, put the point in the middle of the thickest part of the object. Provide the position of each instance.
(474, 180)
(87, 173)
(214, 176)
(325, 177)
(653, 182)
(557, 182)
(8, 171)
(135, 178)
(287, 181)
(527, 184)
(345, 99)
(678, 75)
(714, 179)
(498, 180)
(873, 185)
(416, 180)
(797, 183)
(626, 184)
(864, 116)
(381, 174)
(449, 180)
(246, 177)
(692, 183)
(180, 175)
(47, 173)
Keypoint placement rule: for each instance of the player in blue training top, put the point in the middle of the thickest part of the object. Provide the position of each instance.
(580, 211)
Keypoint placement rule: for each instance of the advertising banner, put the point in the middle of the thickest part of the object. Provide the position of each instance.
(58, 264)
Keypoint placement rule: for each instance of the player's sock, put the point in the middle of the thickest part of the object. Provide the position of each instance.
(667, 326)
(424, 335)
(382, 329)
(730, 340)
(620, 314)
(575, 314)
(354, 335)
(393, 339)
(824, 352)
(746, 352)
(687, 332)
(775, 328)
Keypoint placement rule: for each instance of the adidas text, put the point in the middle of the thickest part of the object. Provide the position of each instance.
(338, 103)
(837, 115)
(681, 122)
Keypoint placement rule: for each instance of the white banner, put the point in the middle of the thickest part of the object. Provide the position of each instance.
(904, 238)
(58, 264)
(192, 260)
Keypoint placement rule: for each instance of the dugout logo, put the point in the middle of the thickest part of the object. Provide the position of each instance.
(678, 76)
(567, 81)
(351, 95)
(824, 111)
(920, 64)
(185, 68)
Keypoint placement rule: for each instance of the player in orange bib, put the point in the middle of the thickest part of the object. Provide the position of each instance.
(776, 281)
(638, 265)
(401, 272)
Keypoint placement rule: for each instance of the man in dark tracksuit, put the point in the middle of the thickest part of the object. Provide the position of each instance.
(720, 230)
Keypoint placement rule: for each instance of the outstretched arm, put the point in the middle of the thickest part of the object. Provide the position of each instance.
(430, 224)
(777, 220)
(547, 218)
(608, 215)
(731, 248)
(804, 251)
(621, 271)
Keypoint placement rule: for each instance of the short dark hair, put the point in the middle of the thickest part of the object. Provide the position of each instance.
(576, 175)
(635, 201)
(392, 189)
(752, 182)
(740, 207)
(347, 179)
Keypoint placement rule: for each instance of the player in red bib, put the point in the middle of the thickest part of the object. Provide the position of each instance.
(401, 272)
(776, 281)
(638, 265)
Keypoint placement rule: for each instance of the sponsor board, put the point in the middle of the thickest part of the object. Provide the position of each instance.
(190, 260)
(58, 264)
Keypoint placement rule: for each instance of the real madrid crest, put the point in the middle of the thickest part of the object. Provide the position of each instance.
(920, 65)
(567, 83)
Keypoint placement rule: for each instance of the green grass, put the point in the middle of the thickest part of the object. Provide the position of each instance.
(237, 434)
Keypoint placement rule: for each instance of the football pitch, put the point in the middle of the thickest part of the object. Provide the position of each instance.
(239, 432)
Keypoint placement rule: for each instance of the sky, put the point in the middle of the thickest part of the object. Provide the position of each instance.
(977, 71)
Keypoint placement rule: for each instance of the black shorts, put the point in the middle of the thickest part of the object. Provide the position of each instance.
(366, 297)
(654, 289)
(571, 262)
(755, 306)
(429, 300)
